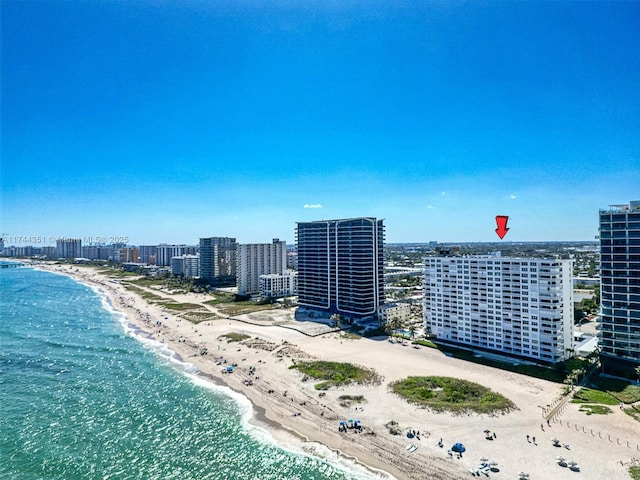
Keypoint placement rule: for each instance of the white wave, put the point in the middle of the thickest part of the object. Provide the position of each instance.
(316, 450)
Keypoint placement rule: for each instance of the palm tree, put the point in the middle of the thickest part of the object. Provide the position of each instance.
(638, 373)
(412, 330)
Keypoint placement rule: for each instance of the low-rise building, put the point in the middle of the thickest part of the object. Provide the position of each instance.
(400, 311)
(279, 284)
(186, 265)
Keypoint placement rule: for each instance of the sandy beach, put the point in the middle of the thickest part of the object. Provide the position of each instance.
(294, 412)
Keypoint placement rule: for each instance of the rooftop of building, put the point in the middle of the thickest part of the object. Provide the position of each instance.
(632, 206)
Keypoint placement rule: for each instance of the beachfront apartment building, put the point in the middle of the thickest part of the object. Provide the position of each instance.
(126, 255)
(186, 266)
(400, 311)
(164, 253)
(279, 284)
(515, 306)
(256, 259)
(148, 254)
(69, 248)
(97, 252)
(340, 266)
(218, 261)
(619, 324)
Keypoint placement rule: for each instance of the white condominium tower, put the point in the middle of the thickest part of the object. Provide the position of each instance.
(255, 259)
(340, 266)
(515, 306)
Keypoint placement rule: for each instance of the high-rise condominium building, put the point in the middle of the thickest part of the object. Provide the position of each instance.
(69, 248)
(516, 306)
(255, 259)
(619, 325)
(97, 252)
(218, 261)
(148, 253)
(340, 266)
(164, 253)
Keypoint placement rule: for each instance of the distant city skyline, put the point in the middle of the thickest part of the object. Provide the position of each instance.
(170, 122)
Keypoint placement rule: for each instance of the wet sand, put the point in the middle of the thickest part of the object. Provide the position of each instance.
(293, 411)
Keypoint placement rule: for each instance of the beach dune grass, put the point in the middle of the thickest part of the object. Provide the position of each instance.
(451, 394)
(234, 337)
(337, 373)
(181, 306)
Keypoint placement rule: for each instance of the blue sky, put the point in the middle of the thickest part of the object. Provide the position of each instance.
(170, 121)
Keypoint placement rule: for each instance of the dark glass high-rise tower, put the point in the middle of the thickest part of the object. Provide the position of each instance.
(619, 326)
(340, 266)
(218, 261)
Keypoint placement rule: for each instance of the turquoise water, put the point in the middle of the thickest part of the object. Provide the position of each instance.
(82, 398)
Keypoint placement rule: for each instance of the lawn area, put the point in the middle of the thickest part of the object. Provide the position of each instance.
(426, 343)
(588, 395)
(336, 373)
(538, 371)
(591, 409)
(623, 391)
(451, 394)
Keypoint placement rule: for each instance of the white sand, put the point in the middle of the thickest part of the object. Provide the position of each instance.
(598, 457)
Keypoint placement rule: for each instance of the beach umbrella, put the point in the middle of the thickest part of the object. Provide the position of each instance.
(555, 440)
(484, 459)
(458, 448)
(493, 463)
(343, 423)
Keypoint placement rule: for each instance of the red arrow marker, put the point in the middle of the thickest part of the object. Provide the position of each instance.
(501, 221)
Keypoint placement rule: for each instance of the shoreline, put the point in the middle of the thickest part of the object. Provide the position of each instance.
(285, 436)
(379, 453)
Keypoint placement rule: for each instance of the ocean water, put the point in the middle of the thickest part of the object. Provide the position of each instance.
(83, 397)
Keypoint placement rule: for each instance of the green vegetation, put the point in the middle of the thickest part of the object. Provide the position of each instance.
(591, 409)
(451, 394)
(151, 297)
(350, 336)
(181, 306)
(234, 337)
(240, 308)
(623, 391)
(588, 395)
(634, 471)
(336, 373)
(557, 373)
(377, 332)
(220, 297)
(198, 317)
(233, 305)
(426, 343)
